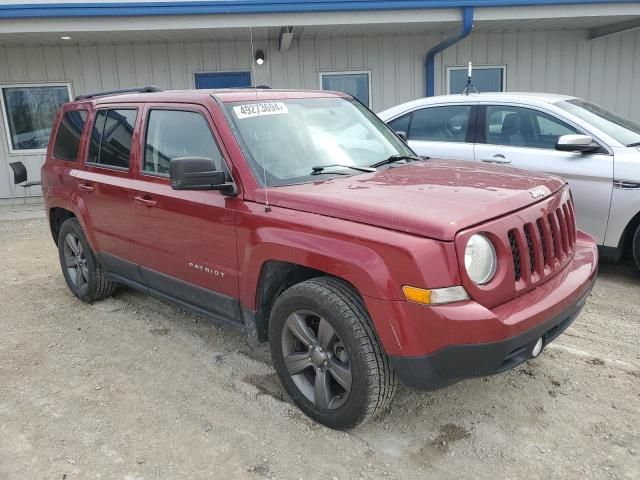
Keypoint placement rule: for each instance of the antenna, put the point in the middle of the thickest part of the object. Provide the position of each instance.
(267, 207)
(470, 86)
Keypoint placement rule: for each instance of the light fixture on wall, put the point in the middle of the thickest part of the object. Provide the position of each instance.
(259, 57)
(65, 38)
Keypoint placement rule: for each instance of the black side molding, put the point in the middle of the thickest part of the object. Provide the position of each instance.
(201, 301)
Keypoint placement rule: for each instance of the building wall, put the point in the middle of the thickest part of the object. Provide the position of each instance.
(601, 70)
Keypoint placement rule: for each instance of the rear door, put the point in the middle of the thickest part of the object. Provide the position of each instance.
(185, 240)
(525, 137)
(440, 131)
(103, 185)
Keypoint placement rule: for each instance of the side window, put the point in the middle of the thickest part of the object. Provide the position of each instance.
(111, 137)
(400, 124)
(67, 142)
(96, 137)
(524, 127)
(552, 127)
(177, 133)
(440, 124)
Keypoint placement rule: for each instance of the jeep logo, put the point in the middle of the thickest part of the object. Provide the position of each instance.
(210, 271)
(537, 192)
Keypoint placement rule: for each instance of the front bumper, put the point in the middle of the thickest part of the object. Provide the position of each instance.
(457, 362)
(436, 346)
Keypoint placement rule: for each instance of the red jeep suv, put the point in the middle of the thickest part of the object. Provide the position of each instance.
(301, 217)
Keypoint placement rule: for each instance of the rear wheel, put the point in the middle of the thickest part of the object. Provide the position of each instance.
(327, 355)
(82, 272)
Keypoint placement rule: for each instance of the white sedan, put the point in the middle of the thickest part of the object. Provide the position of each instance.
(595, 150)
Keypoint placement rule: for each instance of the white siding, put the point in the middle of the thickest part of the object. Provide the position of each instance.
(558, 61)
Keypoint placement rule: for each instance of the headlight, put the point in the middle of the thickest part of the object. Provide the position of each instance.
(480, 259)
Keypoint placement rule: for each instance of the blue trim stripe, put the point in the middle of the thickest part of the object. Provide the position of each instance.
(95, 9)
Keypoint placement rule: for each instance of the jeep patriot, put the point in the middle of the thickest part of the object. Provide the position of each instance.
(302, 218)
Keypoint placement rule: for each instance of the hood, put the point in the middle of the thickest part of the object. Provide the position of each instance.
(432, 198)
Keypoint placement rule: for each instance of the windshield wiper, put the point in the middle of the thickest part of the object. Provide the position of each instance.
(634, 144)
(321, 169)
(395, 158)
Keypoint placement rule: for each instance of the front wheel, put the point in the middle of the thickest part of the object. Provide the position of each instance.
(635, 247)
(327, 355)
(84, 275)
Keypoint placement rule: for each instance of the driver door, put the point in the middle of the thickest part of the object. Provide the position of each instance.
(185, 239)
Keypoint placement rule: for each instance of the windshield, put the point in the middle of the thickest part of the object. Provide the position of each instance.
(623, 130)
(284, 140)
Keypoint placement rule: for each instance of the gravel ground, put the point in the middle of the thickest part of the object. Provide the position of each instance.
(132, 388)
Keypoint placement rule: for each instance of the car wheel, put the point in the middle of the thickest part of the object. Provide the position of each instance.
(82, 272)
(327, 354)
(636, 247)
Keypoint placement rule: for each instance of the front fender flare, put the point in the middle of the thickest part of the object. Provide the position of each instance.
(359, 265)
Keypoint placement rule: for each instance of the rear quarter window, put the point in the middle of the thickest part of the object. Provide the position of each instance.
(68, 135)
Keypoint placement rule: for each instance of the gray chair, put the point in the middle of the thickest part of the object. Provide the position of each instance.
(20, 180)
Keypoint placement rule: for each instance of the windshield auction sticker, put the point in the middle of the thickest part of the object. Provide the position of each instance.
(259, 109)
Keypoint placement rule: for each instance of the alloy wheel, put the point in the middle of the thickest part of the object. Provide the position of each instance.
(75, 261)
(316, 359)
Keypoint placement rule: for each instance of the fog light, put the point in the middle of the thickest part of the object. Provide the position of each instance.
(537, 348)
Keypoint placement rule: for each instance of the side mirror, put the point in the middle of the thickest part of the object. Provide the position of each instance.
(403, 136)
(576, 143)
(198, 173)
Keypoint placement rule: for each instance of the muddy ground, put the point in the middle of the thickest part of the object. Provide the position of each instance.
(132, 388)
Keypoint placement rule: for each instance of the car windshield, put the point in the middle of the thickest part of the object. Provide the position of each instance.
(623, 130)
(301, 140)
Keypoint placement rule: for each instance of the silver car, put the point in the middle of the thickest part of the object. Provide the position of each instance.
(595, 150)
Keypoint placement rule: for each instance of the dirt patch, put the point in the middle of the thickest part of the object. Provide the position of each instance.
(269, 384)
(159, 331)
(450, 433)
(598, 362)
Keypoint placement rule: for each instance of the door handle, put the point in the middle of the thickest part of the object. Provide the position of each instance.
(86, 188)
(147, 202)
(500, 159)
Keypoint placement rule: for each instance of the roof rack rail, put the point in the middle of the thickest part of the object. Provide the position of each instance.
(147, 89)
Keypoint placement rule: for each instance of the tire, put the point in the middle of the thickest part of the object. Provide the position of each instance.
(336, 371)
(635, 247)
(84, 275)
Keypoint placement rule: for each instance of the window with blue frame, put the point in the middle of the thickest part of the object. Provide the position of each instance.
(485, 79)
(357, 84)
